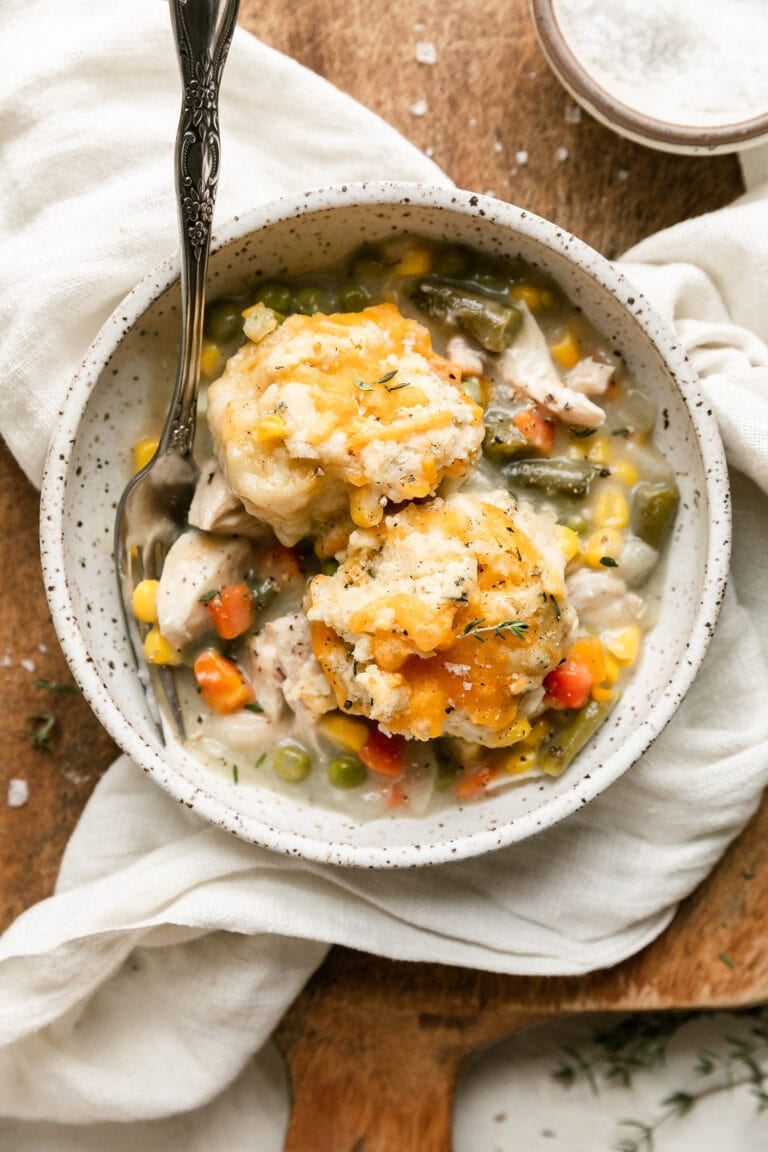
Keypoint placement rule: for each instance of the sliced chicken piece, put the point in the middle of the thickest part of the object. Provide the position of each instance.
(590, 376)
(215, 508)
(284, 671)
(467, 354)
(526, 367)
(197, 563)
(602, 600)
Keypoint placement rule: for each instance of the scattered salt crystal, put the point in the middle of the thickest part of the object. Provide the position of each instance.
(521, 158)
(473, 121)
(27, 665)
(429, 152)
(572, 114)
(561, 155)
(622, 174)
(18, 793)
(5, 661)
(418, 108)
(42, 648)
(490, 192)
(426, 53)
(498, 146)
(419, 27)
(532, 75)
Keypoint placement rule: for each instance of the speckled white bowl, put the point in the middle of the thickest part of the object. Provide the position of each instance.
(120, 394)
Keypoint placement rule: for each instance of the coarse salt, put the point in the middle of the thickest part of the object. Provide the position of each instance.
(694, 62)
(418, 108)
(426, 53)
(521, 158)
(561, 155)
(27, 665)
(18, 793)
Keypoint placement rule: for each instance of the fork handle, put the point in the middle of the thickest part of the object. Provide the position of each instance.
(203, 32)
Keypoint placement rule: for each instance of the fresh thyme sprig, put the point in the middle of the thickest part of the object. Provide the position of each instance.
(639, 1043)
(40, 736)
(364, 386)
(478, 627)
(55, 686)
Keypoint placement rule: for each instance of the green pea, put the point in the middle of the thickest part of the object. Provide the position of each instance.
(453, 261)
(275, 296)
(354, 297)
(223, 321)
(346, 772)
(291, 762)
(654, 507)
(309, 300)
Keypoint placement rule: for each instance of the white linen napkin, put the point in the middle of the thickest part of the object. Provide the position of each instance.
(169, 943)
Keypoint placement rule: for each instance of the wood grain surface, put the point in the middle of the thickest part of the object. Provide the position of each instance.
(495, 119)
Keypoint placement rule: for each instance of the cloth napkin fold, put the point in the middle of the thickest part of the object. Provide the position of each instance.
(169, 944)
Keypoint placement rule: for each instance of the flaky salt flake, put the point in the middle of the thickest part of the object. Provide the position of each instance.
(18, 793)
(429, 152)
(498, 147)
(572, 114)
(521, 158)
(418, 108)
(426, 53)
(419, 27)
(5, 660)
(622, 175)
(27, 665)
(561, 154)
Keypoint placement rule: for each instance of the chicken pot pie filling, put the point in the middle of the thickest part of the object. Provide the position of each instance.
(424, 548)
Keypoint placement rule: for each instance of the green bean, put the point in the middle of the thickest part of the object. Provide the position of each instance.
(291, 762)
(653, 511)
(223, 321)
(492, 323)
(447, 764)
(276, 296)
(503, 439)
(555, 476)
(558, 751)
(346, 772)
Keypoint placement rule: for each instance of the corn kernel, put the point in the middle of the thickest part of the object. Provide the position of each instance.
(599, 451)
(566, 352)
(625, 471)
(623, 643)
(612, 669)
(569, 542)
(517, 731)
(417, 262)
(578, 450)
(588, 650)
(158, 650)
(527, 294)
(602, 695)
(270, 428)
(537, 733)
(144, 601)
(611, 508)
(143, 451)
(365, 508)
(211, 359)
(605, 543)
(518, 761)
(345, 731)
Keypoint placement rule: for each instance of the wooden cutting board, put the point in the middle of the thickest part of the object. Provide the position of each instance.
(494, 118)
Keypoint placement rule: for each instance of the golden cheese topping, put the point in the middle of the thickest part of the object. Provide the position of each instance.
(326, 415)
(444, 616)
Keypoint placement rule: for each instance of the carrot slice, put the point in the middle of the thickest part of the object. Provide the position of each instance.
(223, 686)
(279, 563)
(231, 610)
(383, 754)
(537, 428)
(472, 786)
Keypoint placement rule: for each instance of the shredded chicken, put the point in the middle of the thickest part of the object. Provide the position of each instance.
(197, 563)
(590, 376)
(601, 599)
(215, 508)
(526, 367)
(284, 671)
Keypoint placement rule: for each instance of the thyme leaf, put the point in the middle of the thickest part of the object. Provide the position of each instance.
(478, 627)
(55, 686)
(40, 735)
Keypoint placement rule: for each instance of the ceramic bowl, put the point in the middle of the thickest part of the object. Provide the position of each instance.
(662, 125)
(120, 394)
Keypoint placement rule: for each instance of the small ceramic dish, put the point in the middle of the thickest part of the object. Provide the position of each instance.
(671, 103)
(120, 393)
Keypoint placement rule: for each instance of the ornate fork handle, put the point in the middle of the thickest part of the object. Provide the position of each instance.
(203, 30)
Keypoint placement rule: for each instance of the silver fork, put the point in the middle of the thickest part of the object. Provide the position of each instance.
(152, 510)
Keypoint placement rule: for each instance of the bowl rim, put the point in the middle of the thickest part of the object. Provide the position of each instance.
(74, 643)
(665, 135)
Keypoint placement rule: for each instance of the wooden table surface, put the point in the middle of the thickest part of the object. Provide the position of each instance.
(498, 122)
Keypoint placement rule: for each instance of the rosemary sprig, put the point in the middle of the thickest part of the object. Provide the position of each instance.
(478, 628)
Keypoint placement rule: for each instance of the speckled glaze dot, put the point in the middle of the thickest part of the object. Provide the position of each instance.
(120, 395)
